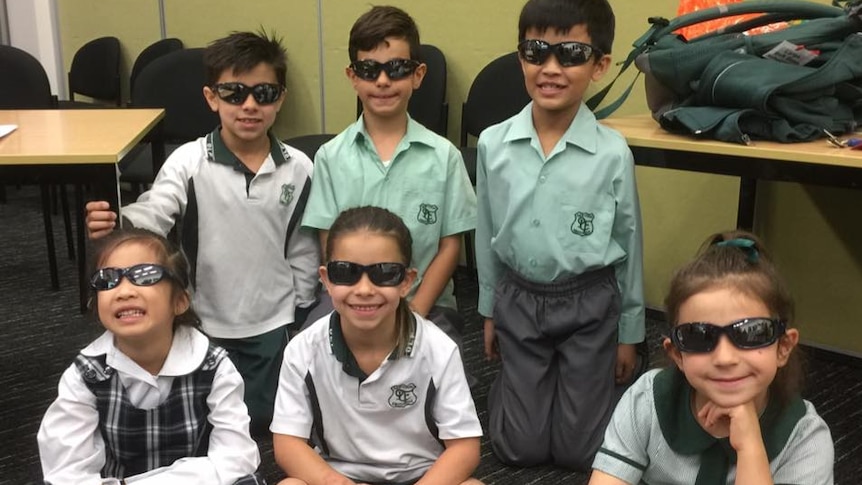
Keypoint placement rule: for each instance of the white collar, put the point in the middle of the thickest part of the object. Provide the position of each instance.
(188, 349)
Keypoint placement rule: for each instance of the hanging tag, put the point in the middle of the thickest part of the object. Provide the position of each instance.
(791, 53)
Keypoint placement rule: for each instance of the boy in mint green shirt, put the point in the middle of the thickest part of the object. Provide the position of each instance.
(389, 160)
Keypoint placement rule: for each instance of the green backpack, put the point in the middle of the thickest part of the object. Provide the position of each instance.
(790, 85)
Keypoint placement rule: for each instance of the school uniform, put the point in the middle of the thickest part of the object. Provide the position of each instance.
(112, 418)
(425, 183)
(385, 427)
(654, 437)
(251, 266)
(559, 257)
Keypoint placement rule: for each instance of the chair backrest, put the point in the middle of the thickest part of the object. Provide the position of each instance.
(309, 144)
(95, 70)
(175, 82)
(28, 87)
(149, 54)
(428, 104)
(497, 93)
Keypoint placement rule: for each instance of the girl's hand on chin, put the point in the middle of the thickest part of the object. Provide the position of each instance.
(739, 423)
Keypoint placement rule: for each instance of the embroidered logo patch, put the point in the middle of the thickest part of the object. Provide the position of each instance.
(583, 224)
(286, 194)
(427, 214)
(403, 395)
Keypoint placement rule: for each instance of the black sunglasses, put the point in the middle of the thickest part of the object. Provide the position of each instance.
(369, 70)
(748, 333)
(139, 275)
(568, 54)
(237, 93)
(381, 274)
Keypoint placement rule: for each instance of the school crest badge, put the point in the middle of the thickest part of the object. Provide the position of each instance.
(403, 395)
(286, 194)
(427, 214)
(583, 224)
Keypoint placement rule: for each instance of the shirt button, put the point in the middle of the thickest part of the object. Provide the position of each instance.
(536, 223)
(542, 179)
(533, 263)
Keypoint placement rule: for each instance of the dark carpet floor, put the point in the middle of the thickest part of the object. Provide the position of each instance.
(41, 331)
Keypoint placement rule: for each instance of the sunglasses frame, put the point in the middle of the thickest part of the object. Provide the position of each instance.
(369, 69)
(374, 272)
(241, 92)
(779, 327)
(129, 274)
(545, 49)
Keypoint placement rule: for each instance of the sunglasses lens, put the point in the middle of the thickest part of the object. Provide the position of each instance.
(387, 274)
(534, 51)
(266, 93)
(368, 70)
(343, 272)
(105, 279)
(754, 332)
(400, 68)
(395, 69)
(233, 93)
(145, 274)
(695, 337)
(573, 53)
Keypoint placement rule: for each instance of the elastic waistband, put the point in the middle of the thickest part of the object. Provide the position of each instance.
(567, 285)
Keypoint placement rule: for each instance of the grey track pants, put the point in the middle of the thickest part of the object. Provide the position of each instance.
(554, 394)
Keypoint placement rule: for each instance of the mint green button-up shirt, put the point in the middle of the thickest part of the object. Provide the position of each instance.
(426, 184)
(554, 217)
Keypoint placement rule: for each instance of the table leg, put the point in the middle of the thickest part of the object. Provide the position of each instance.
(105, 186)
(747, 202)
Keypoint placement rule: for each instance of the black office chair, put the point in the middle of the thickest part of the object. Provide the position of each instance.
(309, 144)
(95, 73)
(149, 54)
(174, 82)
(29, 88)
(497, 93)
(428, 104)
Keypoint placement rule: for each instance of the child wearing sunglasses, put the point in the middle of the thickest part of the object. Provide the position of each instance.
(239, 194)
(558, 247)
(728, 410)
(151, 400)
(378, 390)
(389, 160)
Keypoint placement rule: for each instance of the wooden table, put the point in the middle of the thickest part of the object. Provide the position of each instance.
(77, 147)
(815, 162)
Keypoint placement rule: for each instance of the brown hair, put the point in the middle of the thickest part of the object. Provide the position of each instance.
(738, 260)
(379, 221)
(240, 52)
(167, 254)
(374, 26)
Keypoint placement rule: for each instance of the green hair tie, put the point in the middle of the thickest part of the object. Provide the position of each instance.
(747, 246)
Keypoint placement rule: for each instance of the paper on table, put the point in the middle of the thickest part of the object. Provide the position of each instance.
(6, 129)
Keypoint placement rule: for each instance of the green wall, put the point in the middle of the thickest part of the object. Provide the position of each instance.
(815, 240)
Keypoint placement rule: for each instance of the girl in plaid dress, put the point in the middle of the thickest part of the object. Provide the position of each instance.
(151, 400)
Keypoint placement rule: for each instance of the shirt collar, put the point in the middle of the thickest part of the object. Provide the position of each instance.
(416, 133)
(581, 131)
(218, 152)
(188, 349)
(342, 352)
(672, 397)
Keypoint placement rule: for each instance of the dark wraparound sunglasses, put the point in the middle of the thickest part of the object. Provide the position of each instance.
(139, 275)
(568, 53)
(748, 333)
(381, 274)
(237, 93)
(369, 70)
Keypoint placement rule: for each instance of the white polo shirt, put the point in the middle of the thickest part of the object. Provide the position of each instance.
(384, 427)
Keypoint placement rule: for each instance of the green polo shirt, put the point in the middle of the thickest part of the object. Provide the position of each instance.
(426, 184)
(549, 218)
(653, 438)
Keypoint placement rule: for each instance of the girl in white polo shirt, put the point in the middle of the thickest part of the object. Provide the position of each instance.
(729, 410)
(151, 401)
(379, 390)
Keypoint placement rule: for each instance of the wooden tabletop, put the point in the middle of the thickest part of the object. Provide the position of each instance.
(643, 131)
(73, 136)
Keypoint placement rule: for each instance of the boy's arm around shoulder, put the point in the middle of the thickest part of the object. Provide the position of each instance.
(70, 446)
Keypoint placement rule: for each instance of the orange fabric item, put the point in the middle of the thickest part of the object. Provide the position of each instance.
(692, 31)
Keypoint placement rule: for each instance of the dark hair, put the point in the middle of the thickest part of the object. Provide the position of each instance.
(385, 223)
(562, 15)
(240, 52)
(374, 26)
(168, 254)
(738, 260)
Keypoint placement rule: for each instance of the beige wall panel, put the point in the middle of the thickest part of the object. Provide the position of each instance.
(134, 22)
(198, 22)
